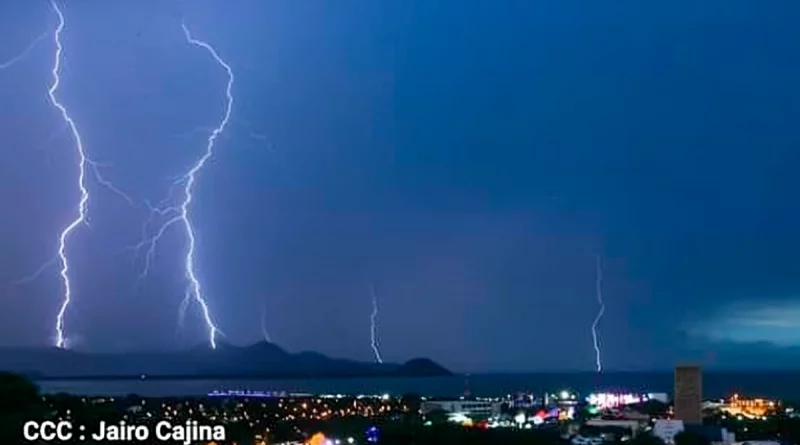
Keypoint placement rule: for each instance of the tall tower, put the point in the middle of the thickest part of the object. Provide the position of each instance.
(689, 394)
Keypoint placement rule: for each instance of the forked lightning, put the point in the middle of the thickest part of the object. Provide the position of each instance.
(179, 214)
(84, 164)
(83, 201)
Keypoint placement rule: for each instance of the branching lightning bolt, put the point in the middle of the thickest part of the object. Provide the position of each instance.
(84, 164)
(84, 192)
(599, 292)
(373, 321)
(179, 214)
(95, 167)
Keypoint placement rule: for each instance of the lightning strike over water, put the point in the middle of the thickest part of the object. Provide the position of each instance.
(373, 320)
(84, 192)
(179, 214)
(599, 293)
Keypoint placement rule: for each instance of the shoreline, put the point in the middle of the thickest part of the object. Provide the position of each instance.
(339, 376)
(234, 377)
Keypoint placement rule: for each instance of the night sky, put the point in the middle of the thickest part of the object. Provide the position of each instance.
(468, 157)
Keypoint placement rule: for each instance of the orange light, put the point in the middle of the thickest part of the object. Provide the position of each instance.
(317, 439)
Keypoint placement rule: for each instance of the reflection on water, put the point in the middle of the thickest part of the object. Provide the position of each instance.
(783, 385)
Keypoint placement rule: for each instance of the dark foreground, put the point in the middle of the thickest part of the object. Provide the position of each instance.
(316, 420)
(343, 420)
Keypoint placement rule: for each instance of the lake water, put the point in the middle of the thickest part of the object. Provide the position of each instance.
(784, 386)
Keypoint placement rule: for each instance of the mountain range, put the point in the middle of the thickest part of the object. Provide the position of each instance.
(260, 360)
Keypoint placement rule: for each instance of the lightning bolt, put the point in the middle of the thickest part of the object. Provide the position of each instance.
(599, 293)
(31, 46)
(83, 201)
(264, 331)
(84, 165)
(95, 169)
(179, 214)
(373, 321)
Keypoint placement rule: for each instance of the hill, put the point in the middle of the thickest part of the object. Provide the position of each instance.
(260, 360)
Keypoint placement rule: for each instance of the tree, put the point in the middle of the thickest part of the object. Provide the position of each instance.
(583, 414)
(16, 393)
(691, 438)
(19, 402)
(411, 401)
(646, 439)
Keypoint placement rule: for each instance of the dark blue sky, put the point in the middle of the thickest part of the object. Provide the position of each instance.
(468, 157)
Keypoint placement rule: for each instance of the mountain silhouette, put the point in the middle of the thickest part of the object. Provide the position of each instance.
(259, 360)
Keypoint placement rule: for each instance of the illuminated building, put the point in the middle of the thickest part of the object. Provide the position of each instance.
(254, 394)
(750, 408)
(689, 394)
(659, 397)
(611, 400)
(522, 400)
(616, 400)
(473, 408)
(666, 430)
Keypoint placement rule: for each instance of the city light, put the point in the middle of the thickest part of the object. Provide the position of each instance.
(611, 400)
